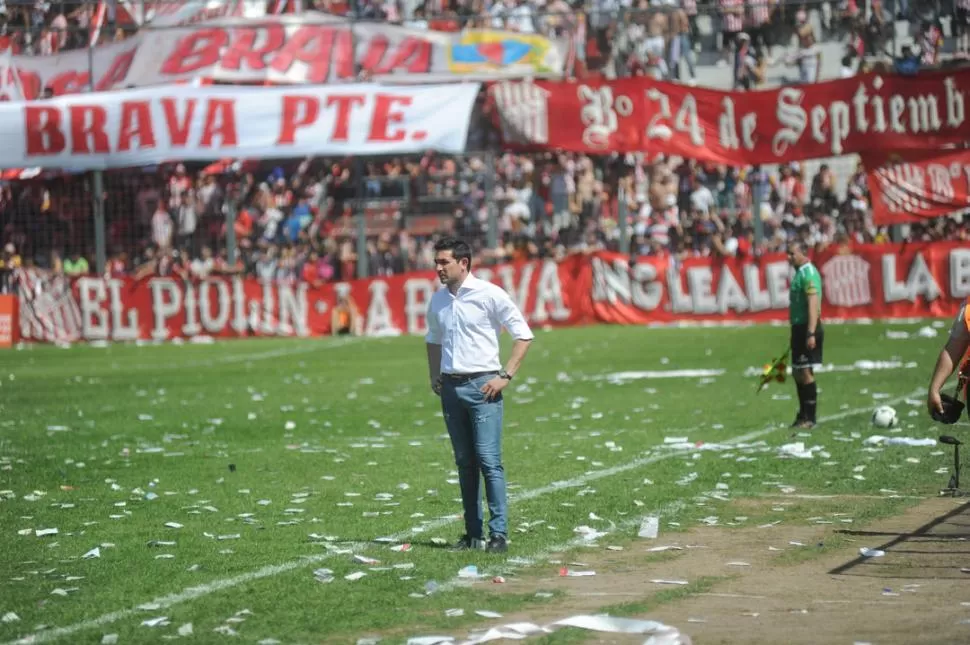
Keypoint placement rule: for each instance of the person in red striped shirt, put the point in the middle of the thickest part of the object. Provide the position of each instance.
(759, 24)
(732, 24)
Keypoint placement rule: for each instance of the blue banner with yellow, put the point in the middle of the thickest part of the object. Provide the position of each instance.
(489, 51)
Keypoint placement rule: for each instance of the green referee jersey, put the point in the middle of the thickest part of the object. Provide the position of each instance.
(807, 281)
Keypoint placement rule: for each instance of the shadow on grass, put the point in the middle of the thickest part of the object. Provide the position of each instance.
(943, 529)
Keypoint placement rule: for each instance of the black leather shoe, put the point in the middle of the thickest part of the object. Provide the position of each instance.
(497, 544)
(469, 544)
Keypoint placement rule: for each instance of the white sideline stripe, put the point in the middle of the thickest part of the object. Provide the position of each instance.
(276, 353)
(192, 593)
(257, 356)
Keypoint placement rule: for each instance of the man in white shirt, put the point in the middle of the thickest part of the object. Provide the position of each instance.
(464, 322)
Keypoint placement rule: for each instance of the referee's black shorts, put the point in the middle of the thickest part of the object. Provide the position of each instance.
(801, 356)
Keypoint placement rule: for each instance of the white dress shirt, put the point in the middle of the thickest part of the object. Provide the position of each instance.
(467, 326)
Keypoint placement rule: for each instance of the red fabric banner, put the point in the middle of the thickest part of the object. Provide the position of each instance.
(309, 48)
(916, 186)
(869, 282)
(863, 113)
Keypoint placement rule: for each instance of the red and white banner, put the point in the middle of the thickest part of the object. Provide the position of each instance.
(869, 282)
(288, 49)
(853, 115)
(916, 186)
(152, 125)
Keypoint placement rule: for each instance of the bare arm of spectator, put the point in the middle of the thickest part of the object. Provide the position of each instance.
(718, 223)
(718, 245)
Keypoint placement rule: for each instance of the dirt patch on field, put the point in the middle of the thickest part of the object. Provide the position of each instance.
(769, 590)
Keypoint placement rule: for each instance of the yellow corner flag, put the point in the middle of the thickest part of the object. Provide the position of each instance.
(777, 370)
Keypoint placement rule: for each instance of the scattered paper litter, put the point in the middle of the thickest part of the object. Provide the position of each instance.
(876, 440)
(185, 630)
(10, 617)
(649, 527)
(109, 639)
(471, 571)
(45, 532)
(323, 575)
(614, 625)
(588, 533)
(93, 553)
(484, 613)
(665, 548)
(356, 575)
(871, 553)
(797, 450)
(670, 582)
(161, 621)
(173, 525)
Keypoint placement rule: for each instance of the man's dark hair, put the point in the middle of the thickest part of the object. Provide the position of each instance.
(459, 249)
(799, 245)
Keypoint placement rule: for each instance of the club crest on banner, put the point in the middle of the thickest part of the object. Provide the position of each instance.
(846, 281)
(523, 112)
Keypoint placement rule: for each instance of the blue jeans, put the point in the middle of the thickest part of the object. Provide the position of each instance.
(475, 428)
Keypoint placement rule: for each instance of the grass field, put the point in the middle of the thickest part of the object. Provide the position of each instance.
(214, 481)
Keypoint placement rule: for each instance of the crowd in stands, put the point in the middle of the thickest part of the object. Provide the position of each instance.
(660, 38)
(294, 221)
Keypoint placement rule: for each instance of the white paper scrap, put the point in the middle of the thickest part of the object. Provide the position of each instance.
(649, 527)
(161, 621)
(871, 553)
(185, 630)
(613, 624)
(669, 582)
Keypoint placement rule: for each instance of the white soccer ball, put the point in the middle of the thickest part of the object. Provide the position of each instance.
(884, 417)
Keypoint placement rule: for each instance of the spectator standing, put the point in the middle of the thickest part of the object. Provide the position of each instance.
(187, 222)
(732, 24)
(162, 228)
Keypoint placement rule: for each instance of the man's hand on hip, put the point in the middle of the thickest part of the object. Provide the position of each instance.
(494, 387)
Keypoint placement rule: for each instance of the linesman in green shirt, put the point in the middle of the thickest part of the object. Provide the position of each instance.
(805, 314)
